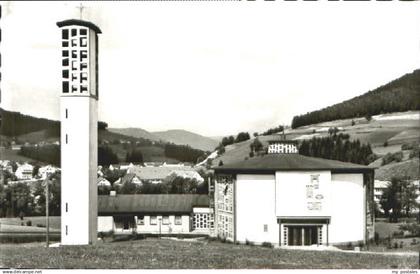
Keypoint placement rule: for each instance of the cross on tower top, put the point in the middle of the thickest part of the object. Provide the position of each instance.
(81, 7)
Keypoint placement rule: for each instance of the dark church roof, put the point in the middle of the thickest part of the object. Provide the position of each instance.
(77, 22)
(150, 203)
(270, 163)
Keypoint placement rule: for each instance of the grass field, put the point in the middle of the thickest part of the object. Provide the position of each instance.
(12, 155)
(168, 254)
(36, 220)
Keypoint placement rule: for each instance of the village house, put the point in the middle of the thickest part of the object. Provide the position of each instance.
(288, 199)
(155, 214)
(24, 172)
(101, 181)
(130, 178)
(158, 174)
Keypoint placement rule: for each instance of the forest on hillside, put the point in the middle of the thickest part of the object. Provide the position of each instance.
(402, 94)
(15, 124)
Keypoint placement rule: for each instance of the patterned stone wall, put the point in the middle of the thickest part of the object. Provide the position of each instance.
(224, 206)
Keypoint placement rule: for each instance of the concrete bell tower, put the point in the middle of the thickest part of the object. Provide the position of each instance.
(79, 131)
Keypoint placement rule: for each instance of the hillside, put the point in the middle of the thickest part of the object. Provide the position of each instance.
(402, 94)
(183, 137)
(386, 133)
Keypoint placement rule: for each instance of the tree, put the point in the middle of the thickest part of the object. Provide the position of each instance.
(256, 145)
(220, 163)
(135, 156)
(391, 200)
(102, 125)
(113, 175)
(242, 136)
(106, 156)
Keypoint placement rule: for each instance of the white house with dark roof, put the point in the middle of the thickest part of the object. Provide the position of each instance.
(155, 214)
(289, 199)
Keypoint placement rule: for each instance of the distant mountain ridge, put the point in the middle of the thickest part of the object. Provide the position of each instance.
(183, 137)
(176, 136)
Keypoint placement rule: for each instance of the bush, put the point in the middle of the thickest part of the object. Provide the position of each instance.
(29, 223)
(413, 228)
(376, 238)
(390, 157)
(267, 244)
(40, 225)
(248, 242)
(349, 245)
(401, 244)
(414, 153)
(395, 245)
(413, 241)
(407, 146)
(385, 143)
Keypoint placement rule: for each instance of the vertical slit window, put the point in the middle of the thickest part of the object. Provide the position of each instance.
(65, 62)
(67, 113)
(65, 34)
(73, 32)
(65, 44)
(83, 89)
(67, 230)
(73, 65)
(67, 207)
(67, 139)
(65, 87)
(73, 88)
(65, 53)
(65, 74)
(83, 66)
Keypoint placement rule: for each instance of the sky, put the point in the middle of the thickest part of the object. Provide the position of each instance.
(213, 68)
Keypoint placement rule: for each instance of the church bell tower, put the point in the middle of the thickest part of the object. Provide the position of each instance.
(79, 131)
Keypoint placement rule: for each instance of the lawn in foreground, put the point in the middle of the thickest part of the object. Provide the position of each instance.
(170, 254)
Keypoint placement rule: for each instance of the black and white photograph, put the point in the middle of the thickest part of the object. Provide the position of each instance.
(209, 135)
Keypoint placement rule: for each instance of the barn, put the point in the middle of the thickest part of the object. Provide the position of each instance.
(288, 199)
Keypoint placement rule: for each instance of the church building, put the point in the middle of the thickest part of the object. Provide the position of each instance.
(288, 199)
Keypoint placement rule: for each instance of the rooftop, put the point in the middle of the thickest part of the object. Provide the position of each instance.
(77, 22)
(150, 203)
(270, 163)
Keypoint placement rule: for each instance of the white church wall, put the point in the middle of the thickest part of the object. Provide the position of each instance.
(299, 193)
(255, 204)
(348, 210)
(75, 169)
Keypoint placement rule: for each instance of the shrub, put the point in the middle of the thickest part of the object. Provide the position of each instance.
(413, 228)
(29, 223)
(407, 146)
(414, 153)
(376, 238)
(248, 242)
(349, 245)
(267, 244)
(401, 244)
(385, 143)
(413, 241)
(395, 245)
(40, 225)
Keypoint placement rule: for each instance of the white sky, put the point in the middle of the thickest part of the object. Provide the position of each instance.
(214, 68)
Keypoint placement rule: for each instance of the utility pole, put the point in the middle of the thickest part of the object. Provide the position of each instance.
(47, 209)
